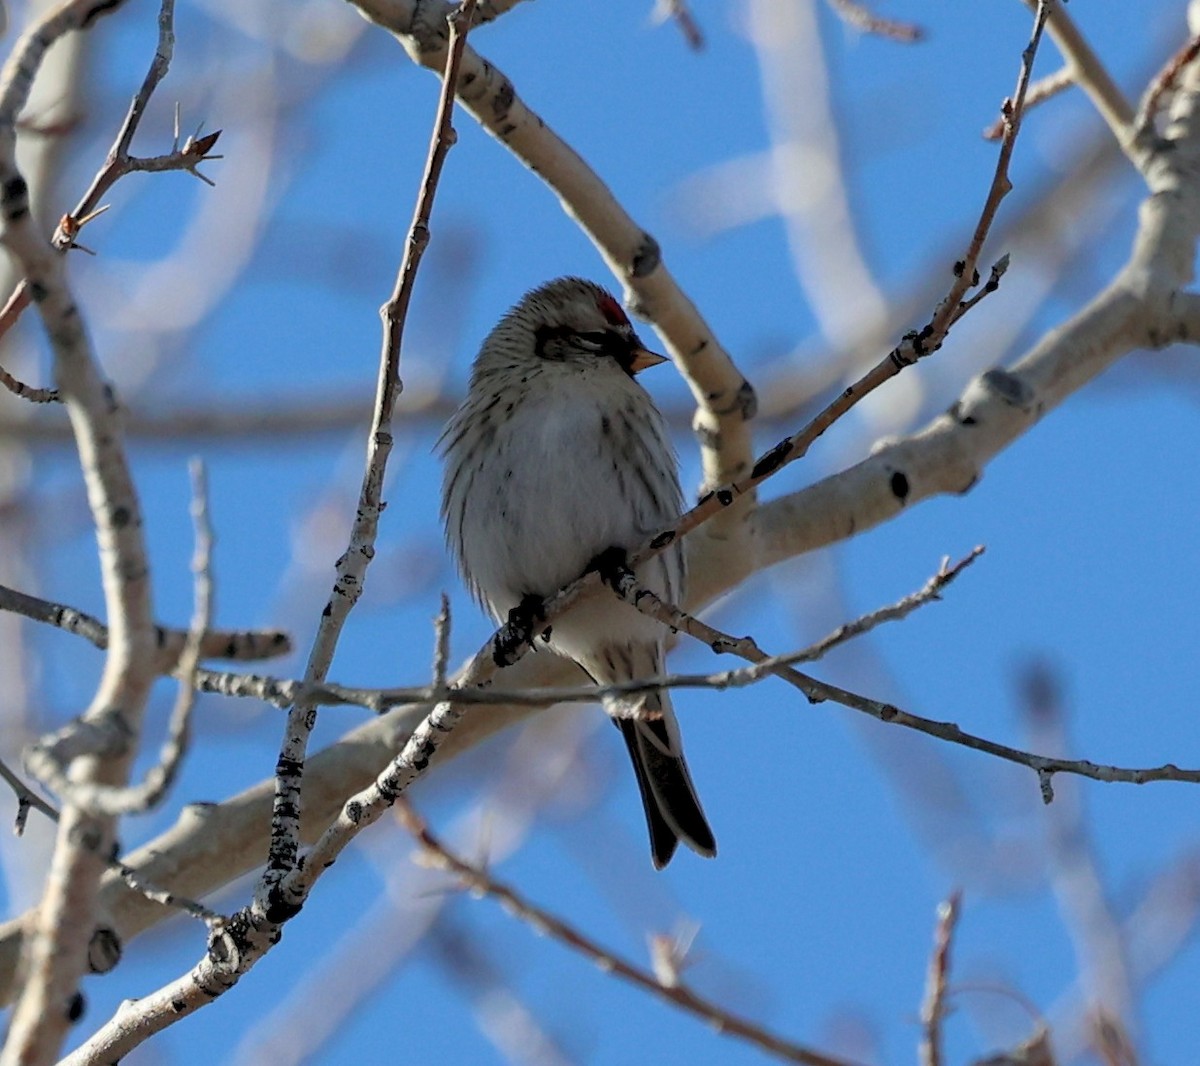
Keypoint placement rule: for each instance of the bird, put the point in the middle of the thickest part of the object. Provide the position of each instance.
(556, 457)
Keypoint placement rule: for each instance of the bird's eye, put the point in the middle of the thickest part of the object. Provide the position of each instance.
(593, 341)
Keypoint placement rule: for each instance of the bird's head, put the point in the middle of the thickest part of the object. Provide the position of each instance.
(575, 322)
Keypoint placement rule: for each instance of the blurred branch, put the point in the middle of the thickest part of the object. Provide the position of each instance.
(57, 950)
(27, 799)
(674, 991)
(1039, 92)
(862, 18)
(1076, 878)
(1160, 87)
(1090, 74)
(677, 11)
(824, 232)
(187, 157)
(237, 945)
(49, 758)
(236, 645)
(933, 1010)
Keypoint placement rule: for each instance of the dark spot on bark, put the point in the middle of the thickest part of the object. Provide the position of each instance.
(502, 99)
(959, 267)
(605, 425)
(280, 910)
(120, 517)
(288, 767)
(100, 9)
(14, 189)
(724, 497)
(353, 811)
(104, 949)
(773, 460)
(76, 1007)
(646, 258)
(747, 401)
(700, 347)
(663, 539)
(900, 486)
(1009, 387)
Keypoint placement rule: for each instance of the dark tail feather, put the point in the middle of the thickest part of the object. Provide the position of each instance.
(672, 809)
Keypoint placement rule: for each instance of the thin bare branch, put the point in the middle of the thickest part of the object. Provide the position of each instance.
(933, 1010)
(49, 761)
(624, 583)
(861, 18)
(1089, 73)
(235, 945)
(677, 11)
(1159, 89)
(27, 799)
(275, 893)
(57, 951)
(118, 163)
(237, 645)
(1039, 92)
(673, 991)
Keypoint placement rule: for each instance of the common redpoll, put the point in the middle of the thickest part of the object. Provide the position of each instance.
(556, 456)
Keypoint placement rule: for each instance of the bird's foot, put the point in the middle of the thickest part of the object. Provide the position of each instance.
(612, 565)
(520, 629)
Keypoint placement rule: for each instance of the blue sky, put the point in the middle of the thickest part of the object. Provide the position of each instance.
(838, 836)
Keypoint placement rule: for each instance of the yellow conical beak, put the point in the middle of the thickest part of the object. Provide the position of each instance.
(643, 359)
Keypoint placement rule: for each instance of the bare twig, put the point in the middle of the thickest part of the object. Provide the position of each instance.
(240, 645)
(27, 799)
(56, 952)
(1089, 73)
(49, 761)
(1074, 866)
(1159, 88)
(857, 15)
(441, 644)
(933, 1010)
(623, 581)
(237, 944)
(1039, 92)
(677, 11)
(672, 991)
(277, 893)
(118, 163)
